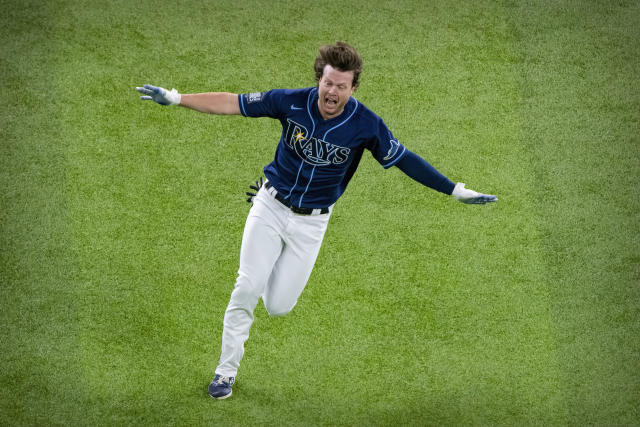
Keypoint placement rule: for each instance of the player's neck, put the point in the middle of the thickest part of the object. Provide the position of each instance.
(326, 116)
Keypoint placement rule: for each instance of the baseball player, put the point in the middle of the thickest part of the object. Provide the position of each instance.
(325, 132)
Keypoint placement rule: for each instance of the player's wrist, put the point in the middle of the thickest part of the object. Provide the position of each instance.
(461, 193)
(173, 97)
(465, 195)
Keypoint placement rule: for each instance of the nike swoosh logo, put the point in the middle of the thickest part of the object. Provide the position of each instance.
(293, 107)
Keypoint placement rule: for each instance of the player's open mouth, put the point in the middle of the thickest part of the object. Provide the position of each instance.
(330, 102)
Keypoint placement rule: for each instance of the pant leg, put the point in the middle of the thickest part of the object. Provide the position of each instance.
(261, 247)
(303, 239)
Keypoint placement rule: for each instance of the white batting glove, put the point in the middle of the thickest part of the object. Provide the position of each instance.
(159, 95)
(471, 197)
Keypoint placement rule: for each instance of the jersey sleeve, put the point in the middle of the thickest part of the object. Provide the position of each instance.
(261, 104)
(386, 149)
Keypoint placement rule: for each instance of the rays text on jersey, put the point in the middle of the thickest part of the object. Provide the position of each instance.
(313, 150)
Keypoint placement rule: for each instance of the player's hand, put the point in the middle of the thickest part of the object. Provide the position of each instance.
(159, 95)
(465, 195)
(257, 188)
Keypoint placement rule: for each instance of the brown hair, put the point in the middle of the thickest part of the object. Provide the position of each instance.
(340, 56)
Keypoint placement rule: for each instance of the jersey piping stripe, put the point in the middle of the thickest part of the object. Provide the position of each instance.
(313, 122)
(306, 189)
(313, 129)
(295, 183)
(398, 157)
(244, 112)
(343, 122)
(324, 138)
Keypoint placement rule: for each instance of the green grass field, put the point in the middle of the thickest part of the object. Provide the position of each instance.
(121, 221)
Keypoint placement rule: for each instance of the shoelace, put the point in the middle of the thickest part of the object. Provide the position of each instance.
(222, 381)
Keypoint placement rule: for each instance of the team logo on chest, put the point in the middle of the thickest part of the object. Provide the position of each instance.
(313, 150)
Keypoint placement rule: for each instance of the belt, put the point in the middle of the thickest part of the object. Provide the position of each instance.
(295, 209)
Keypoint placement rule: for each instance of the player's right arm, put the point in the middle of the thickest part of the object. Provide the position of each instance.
(212, 102)
(209, 102)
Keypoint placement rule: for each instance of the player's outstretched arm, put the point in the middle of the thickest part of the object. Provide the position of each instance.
(210, 102)
(420, 170)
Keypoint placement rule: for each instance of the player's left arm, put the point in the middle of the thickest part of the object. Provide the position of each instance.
(208, 102)
(421, 171)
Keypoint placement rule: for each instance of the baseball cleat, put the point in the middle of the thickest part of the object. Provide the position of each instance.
(220, 387)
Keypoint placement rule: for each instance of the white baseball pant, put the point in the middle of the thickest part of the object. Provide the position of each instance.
(279, 249)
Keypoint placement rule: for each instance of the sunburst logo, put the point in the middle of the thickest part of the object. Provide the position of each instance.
(299, 136)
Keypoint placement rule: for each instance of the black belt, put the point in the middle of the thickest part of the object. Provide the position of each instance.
(294, 209)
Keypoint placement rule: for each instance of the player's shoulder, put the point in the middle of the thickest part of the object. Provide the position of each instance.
(299, 92)
(364, 111)
(285, 97)
(366, 116)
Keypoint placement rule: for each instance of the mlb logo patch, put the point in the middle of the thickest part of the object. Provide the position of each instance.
(254, 97)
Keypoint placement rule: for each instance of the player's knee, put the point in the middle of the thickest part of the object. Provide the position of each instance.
(278, 310)
(247, 285)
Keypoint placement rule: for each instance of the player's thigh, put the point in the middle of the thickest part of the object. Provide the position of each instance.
(261, 247)
(293, 268)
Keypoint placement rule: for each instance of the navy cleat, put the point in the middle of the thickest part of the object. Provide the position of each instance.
(220, 387)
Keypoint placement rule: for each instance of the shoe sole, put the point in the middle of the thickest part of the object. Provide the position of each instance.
(221, 397)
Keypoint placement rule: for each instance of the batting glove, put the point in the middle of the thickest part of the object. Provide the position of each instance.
(256, 188)
(465, 195)
(159, 95)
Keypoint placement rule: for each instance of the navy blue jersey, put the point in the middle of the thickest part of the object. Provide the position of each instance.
(316, 158)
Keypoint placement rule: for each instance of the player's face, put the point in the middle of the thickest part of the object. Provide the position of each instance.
(334, 90)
